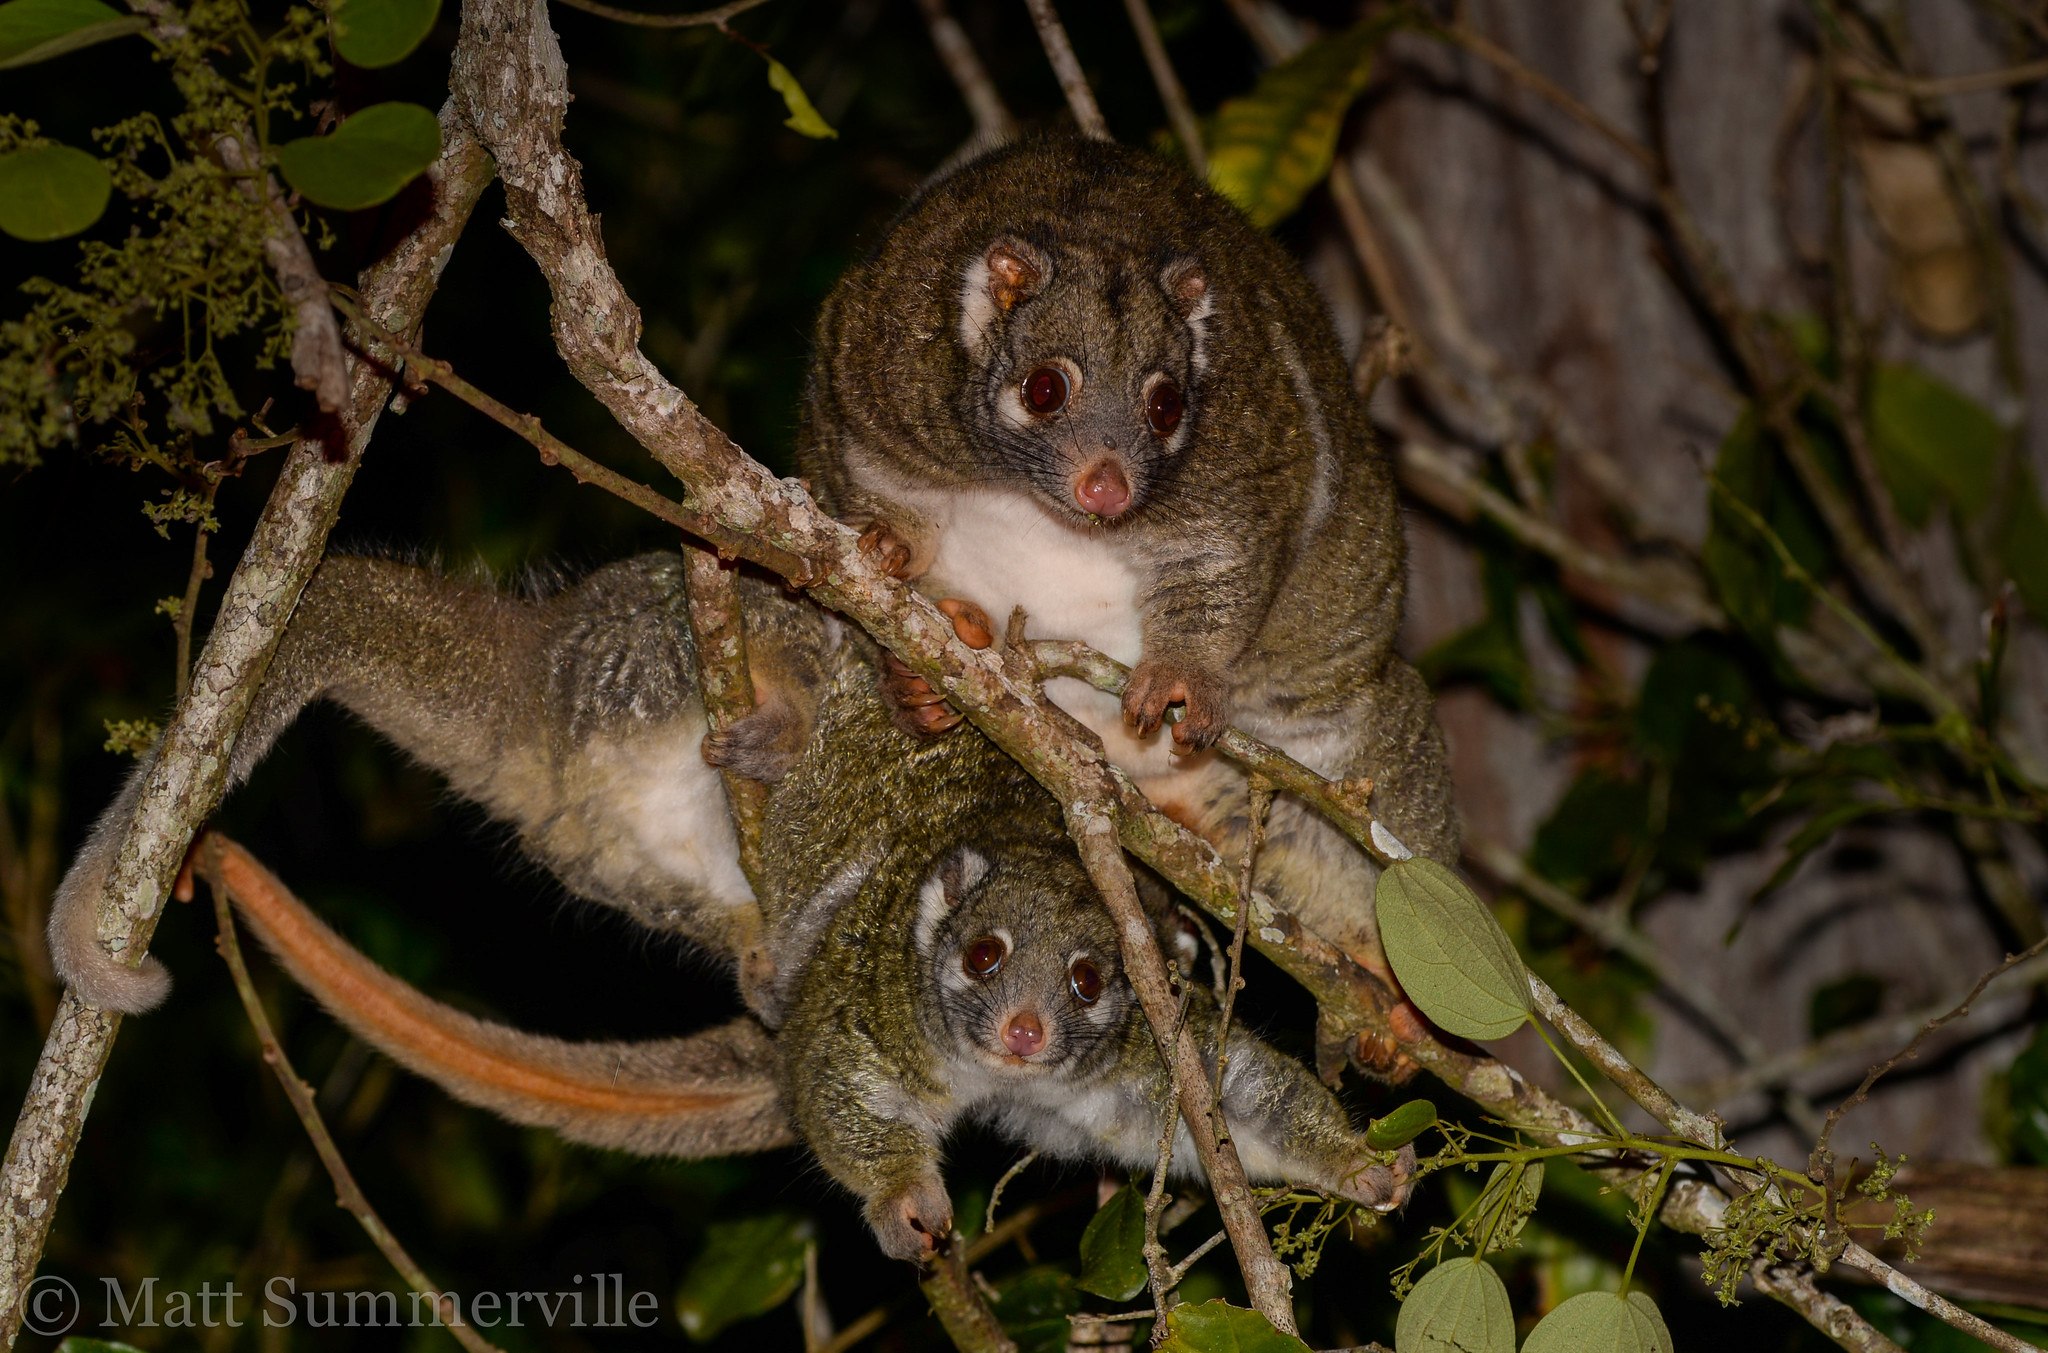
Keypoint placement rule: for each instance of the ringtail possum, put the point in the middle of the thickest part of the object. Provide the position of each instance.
(572, 716)
(946, 958)
(1072, 379)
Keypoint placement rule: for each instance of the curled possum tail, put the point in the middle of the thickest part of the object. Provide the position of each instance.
(709, 1094)
(99, 977)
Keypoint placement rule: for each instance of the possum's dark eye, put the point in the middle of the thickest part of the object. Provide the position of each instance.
(1085, 979)
(1045, 391)
(983, 957)
(1163, 409)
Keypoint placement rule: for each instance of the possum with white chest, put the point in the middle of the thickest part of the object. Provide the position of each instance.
(1074, 380)
(572, 716)
(945, 957)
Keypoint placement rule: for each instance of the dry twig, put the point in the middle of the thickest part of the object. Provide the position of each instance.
(229, 871)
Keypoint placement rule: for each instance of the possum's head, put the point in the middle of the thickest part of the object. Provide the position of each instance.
(1084, 366)
(1020, 959)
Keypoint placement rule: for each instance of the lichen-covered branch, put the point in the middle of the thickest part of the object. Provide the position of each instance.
(190, 770)
(1066, 67)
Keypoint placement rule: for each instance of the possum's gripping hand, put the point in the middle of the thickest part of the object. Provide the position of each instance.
(1203, 696)
(914, 1222)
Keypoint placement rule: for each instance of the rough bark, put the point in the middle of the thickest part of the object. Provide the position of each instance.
(190, 770)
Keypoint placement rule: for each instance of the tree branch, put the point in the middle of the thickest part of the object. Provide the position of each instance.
(1067, 69)
(992, 120)
(186, 780)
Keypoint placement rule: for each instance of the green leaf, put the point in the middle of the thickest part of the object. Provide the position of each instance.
(1453, 958)
(1927, 435)
(1460, 1306)
(1219, 1327)
(1391, 1131)
(36, 30)
(365, 160)
(1843, 1002)
(50, 191)
(2022, 546)
(804, 119)
(747, 1267)
(1113, 1247)
(1591, 835)
(373, 33)
(1601, 1322)
(1747, 576)
(1268, 148)
(1033, 1308)
(2026, 1091)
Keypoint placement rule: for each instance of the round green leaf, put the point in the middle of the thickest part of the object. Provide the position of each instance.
(1113, 1248)
(36, 30)
(1393, 1130)
(746, 1267)
(373, 33)
(50, 191)
(365, 160)
(1219, 1327)
(1601, 1322)
(1460, 1306)
(1452, 957)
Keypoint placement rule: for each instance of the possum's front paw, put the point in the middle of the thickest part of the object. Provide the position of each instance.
(892, 553)
(1383, 1187)
(1204, 699)
(914, 706)
(914, 1224)
(762, 745)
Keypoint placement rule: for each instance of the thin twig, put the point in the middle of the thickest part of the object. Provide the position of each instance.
(1821, 1149)
(992, 120)
(1261, 801)
(554, 451)
(995, 1195)
(1265, 1278)
(1940, 86)
(188, 605)
(1433, 476)
(1158, 1270)
(1067, 69)
(1856, 1041)
(1187, 129)
(347, 1194)
(703, 18)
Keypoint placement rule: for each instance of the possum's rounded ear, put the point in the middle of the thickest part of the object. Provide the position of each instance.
(944, 889)
(1006, 273)
(1186, 283)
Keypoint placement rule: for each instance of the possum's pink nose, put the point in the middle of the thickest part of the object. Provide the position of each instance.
(1102, 489)
(1024, 1035)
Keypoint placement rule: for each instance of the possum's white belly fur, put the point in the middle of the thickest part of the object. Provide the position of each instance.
(1001, 550)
